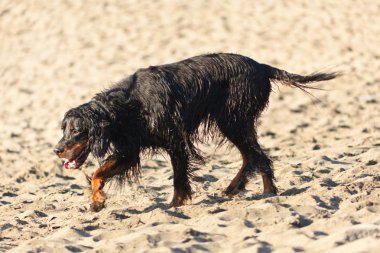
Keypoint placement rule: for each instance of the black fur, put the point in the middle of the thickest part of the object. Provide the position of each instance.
(162, 108)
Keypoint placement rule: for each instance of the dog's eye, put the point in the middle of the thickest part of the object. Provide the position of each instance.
(75, 132)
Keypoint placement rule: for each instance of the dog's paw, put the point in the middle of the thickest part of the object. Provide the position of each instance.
(178, 201)
(98, 199)
(96, 206)
(271, 190)
(229, 192)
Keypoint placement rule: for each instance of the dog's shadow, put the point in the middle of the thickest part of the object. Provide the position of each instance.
(164, 207)
(212, 199)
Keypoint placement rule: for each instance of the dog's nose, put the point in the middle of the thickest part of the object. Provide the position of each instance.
(58, 151)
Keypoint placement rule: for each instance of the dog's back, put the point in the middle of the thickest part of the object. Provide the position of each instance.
(202, 88)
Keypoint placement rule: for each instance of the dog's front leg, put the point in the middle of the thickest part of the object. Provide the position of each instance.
(98, 197)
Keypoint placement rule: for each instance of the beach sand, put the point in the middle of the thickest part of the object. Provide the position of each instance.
(55, 55)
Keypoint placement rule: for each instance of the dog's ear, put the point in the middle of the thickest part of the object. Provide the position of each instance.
(99, 135)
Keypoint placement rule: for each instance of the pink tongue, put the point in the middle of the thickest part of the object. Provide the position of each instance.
(69, 165)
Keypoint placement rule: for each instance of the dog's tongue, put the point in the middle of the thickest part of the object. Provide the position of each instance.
(70, 165)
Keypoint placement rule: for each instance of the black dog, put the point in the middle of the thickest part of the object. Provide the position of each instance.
(162, 108)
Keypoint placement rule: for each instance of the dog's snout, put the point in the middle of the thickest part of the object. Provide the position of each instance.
(58, 151)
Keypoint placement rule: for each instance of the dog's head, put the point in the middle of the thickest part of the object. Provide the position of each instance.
(85, 129)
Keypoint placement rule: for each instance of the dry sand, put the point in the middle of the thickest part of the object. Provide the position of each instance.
(55, 55)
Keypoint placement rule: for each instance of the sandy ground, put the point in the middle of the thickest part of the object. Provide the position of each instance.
(55, 55)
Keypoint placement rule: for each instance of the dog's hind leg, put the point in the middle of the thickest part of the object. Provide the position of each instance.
(263, 165)
(240, 180)
(254, 159)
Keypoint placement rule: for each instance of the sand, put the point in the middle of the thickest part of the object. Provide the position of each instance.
(55, 55)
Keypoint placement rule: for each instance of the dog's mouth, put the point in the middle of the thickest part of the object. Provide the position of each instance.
(76, 162)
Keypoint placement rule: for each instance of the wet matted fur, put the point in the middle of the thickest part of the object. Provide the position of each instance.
(162, 108)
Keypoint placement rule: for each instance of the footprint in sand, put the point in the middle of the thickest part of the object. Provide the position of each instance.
(328, 182)
(40, 214)
(9, 194)
(294, 191)
(119, 216)
(198, 236)
(371, 163)
(333, 204)
(358, 232)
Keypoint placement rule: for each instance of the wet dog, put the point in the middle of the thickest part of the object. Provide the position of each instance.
(168, 108)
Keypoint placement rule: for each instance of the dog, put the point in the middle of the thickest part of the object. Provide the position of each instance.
(168, 108)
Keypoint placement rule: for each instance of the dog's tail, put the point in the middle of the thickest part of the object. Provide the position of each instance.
(299, 81)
